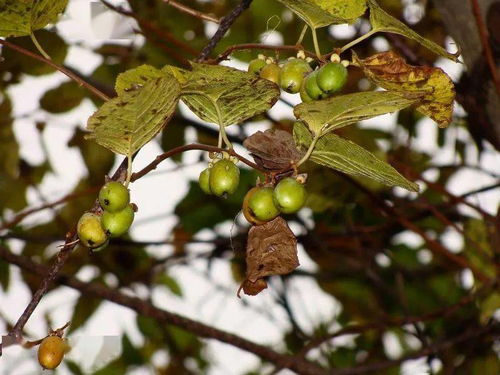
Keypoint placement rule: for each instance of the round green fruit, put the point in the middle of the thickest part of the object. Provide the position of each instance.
(312, 88)
(292, 75)
(261, 204)
(304, 96)
(271, 72)
(332, 77)
(51, 352)
(114, 196)
(289, 195)
(89, 230)
(116, 224)
(256, 66)
(224, 178)
(204, 181)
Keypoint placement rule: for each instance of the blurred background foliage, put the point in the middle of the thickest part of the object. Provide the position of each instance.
(354, 239)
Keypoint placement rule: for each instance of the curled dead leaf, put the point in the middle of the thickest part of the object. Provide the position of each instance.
(273, 149)
(390, 71)
(271, 250)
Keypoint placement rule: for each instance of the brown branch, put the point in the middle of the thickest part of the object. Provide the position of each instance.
(193, 146)
(191, 12)
(22, 215)
(224, 26)
(484, 35)
(165, 317)
(70, 74)
(249, 46)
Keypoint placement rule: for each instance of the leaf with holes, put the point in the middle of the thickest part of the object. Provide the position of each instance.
(383, 21)
(322, 116)
(125, 123)
(227, 96)
(22, 17)
(390, 71)
(345, 156)
(136, 78)
(321, 13)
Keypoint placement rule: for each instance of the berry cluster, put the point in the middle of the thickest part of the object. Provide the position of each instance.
(296, 76)
(94, 230)
(221, 178)
(264, 203)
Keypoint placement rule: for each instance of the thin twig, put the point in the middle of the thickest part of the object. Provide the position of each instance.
(191, 12)
(483, 33)
(70, 74)
(144, 308)
(224, 26)
(193, 146)
(259, 46)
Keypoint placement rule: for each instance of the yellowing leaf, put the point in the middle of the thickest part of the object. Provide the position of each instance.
(390, 71)
(125, 123)
(322, 116)
(136, 78)
(348, 10)
(227, 96)
(22, 17)
(335, 152)
(321, 13)
(383, 21)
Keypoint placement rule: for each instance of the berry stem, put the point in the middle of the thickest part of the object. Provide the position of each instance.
(129, 170)
(39, 47)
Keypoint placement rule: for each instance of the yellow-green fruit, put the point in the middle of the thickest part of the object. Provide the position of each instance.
(114, 196)
(116, 224)
(292, 74)
(312, 87)
(89, 230)
(271, 72)
(51, 352)
(256, 66)
(261, 204)
(304, 96)
(289, 195)
(332, 77)
(224, 178)
(204, 181)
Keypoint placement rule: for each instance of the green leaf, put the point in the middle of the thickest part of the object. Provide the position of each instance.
(84, 308)
(4, 274)
(63, 98)
(489, 306)
(22, 17)
(174, 136)
(170, 283)
(345, 156)
(9, 150)
(321, 13)
(227, 96)
(124, 124)
(133, 79)
(383, 21)
(322, 116)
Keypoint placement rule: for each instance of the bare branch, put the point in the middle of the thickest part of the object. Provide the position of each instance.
(191, 12)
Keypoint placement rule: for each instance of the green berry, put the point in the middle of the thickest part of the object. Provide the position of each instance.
(289, 195)
(204, 181)
(224, 178)
(271, 72)
(116, 224)
(332, 77)
(312, 87)
(261, 204)
(114, 196)
(90, 231)
(256, 66)
(292, 75)
(304, 96)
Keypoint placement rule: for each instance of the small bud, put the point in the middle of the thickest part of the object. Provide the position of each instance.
(345, 63)
(335, 58)
(301, 55)
(301, 178)
(261, 56)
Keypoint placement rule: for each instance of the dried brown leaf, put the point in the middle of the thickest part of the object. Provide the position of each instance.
(273, 149)
(271, 250)
(390, 71)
